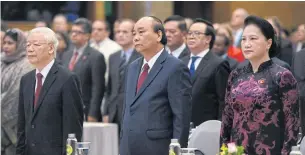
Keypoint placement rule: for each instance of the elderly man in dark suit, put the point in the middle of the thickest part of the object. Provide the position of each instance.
(89, 65)
(209, 73)
(118, 63)
(157, 95)
(175, 30)
(298, 69)
(50, 103)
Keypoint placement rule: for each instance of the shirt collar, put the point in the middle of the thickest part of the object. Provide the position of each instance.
(152, 61)
(81, 49)
(127, 52)
(201, 54)
(178, 51)
(46, 69)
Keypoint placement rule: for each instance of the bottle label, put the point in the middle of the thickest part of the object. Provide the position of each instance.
(171, 152)
(69, 149)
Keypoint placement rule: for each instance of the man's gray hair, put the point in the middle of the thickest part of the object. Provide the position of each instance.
(49, 36)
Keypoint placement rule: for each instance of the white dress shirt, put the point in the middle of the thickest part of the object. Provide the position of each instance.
(44, 72)
(299, 46)
(152, 61)
(200, 55)
(176, 53)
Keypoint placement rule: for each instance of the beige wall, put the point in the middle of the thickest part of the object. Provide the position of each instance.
(290, 13)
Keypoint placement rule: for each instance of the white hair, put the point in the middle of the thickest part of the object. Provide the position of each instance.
(49, 36)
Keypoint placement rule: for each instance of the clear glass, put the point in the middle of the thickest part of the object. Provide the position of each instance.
(188, 151)
(83, 148)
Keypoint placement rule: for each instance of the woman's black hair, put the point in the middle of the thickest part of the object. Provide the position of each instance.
(12, 34)
(65, 37)
(267, 30)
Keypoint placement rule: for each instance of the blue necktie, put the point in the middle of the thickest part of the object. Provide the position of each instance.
(192, 68)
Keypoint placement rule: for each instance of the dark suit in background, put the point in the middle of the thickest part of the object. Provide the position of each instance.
(160, 110)
(90, 69)
(185, 52)
(209, 86)
(116, 85)
(299, 73)
(232, 62)
(286, 51)
(59, 111)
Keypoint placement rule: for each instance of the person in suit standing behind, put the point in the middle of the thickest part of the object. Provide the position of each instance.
(50, 102)
(208, 71)
(89, 65)
(175, 30)
(157, 95)
(220, 48)
(117, 66)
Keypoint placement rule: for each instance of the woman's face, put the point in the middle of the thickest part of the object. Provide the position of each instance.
(9, 45)
(254, 44)
(61, 43)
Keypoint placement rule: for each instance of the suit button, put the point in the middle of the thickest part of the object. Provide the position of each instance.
(33, 126)
(33, 144)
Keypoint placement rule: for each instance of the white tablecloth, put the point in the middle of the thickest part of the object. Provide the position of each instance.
(103, 138)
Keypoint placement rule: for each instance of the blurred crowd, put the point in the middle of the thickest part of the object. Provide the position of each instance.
(101, 80)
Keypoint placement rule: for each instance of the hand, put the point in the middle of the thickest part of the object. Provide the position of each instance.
(92, 119)
(106, 119)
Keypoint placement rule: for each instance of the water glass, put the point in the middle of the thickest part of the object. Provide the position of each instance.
(188, 151)
(83, 148)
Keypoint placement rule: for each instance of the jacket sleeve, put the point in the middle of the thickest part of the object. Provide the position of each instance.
(20, 149)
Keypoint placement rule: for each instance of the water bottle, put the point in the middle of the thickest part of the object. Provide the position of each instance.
(295, 151)
(71, 145)
(174, 147)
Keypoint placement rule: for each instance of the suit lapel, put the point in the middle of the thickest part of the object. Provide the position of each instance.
(68, 58)
(135, 71)
(152, 74)
(82, 59)
(184, 53)
(46, 86)
(32, 90)
(202, 65)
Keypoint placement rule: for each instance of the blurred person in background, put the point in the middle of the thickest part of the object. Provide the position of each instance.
(237, 23)
(100, 41)
(42, 23)
(189, 22)
(63, 45)
(221, 45)
(284, 45)
(209, 73)
(175, 30)
(115, 28)
(89, 64)
(118, 62)
(300, 39)
(13, 66)
(3, 30)
(60, 23)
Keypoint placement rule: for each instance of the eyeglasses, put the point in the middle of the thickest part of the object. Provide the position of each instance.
(77, 32)
(195, 33)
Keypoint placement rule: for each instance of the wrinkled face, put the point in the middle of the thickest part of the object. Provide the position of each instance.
(78, 35)
(9, 45)
(197, 40)
(99, 31)
(39, 51)
(254, 44)
(175, 36)
(60, 24)
(61, 43)
(144, 36)
(237, 18)
(124, 34)
(219, 46)
(301, 33)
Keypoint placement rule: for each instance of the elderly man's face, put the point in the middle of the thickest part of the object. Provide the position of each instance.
(144, 35)
(39, 51)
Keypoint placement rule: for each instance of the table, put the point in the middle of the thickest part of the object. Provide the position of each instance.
(103, 138)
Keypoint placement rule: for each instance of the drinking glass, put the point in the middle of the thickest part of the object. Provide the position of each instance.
(83, 148)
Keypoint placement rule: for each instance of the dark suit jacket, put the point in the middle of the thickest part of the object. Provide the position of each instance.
(160, 110)
(90, 68)
(232, 62)
(209, 87)
(299, 72)
(274, 59)
(44, 130)
(185, 52)
(286, 51)
(115, 95)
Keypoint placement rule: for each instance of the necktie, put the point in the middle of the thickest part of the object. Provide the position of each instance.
(38, 88)
(142, 76)
(122, 67)
(192, 67)
(73, 61)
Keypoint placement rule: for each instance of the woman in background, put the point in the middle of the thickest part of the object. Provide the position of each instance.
(13, 66)
(63, 45)
(261, 111)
